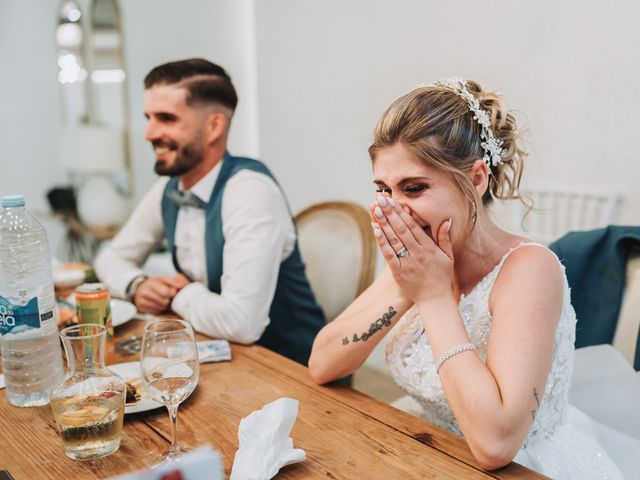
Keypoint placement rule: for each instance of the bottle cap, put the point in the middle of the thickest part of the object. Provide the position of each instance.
(12, 201)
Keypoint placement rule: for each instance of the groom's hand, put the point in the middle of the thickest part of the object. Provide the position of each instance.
(154, 295)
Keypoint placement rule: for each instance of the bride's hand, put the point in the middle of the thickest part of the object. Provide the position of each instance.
(424, 271)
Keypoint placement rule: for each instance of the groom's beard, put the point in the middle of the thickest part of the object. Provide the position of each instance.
(186, 158)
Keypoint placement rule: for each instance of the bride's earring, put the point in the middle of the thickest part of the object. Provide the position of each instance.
(474, 213)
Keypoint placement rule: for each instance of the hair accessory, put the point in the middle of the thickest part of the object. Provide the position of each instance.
(491, 145)
(453, 351)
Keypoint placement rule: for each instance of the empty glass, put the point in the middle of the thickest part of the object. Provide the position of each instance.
(169, 369)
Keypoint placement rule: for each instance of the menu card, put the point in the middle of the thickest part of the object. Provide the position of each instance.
(196, 465)
(213, 350)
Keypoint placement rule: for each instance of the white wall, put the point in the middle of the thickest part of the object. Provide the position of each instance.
(29, 104)
(159, 31)
(327, 70)
(155, 31)
(314, 76)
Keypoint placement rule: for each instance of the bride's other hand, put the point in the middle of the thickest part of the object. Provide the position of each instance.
(425, 270)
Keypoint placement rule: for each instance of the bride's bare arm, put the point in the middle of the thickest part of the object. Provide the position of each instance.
(495, 403)
(344, 344)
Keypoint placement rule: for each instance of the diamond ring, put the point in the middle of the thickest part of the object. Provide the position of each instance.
(402, 252)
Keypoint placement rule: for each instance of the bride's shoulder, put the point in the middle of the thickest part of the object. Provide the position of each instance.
(529, 265)
(530, 285)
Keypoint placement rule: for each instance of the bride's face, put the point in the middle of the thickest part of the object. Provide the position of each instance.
(430, 195)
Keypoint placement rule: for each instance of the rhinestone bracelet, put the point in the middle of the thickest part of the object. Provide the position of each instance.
(453, 351)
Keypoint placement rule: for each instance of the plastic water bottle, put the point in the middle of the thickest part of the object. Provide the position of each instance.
(29, 345)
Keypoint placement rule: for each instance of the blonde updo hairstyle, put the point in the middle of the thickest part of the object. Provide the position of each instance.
(437, 125)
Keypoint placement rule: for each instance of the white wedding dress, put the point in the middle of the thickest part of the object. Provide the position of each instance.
(563, 443)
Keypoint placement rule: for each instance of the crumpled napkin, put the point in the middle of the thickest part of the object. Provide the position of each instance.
(265, 445)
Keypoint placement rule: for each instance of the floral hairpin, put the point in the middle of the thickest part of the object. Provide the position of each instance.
(490, 144)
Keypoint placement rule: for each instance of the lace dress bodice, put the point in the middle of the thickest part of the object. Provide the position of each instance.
(411, 363)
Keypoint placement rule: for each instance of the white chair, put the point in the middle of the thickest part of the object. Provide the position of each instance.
(626, 335)
(338, 248)
(557, 212)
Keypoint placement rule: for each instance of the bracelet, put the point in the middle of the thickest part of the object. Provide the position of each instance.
(130, 291)
(452, 352)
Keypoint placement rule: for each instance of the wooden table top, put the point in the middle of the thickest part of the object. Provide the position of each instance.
(344, 433)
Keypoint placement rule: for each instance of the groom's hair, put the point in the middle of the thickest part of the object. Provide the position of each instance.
(204, 81)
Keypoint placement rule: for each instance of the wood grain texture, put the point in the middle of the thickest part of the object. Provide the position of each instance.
(398, 420)
(345, 434)
(32, 449)
(340, 441)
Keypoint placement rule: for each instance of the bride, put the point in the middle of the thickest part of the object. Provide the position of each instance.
(483, 329)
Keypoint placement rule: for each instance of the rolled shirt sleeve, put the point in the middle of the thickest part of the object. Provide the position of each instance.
(121, 260)
(259, 235)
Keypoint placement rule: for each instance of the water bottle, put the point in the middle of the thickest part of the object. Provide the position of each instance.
(29, 345)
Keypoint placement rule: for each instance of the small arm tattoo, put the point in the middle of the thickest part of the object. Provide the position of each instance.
(383, 321)
(533, 412)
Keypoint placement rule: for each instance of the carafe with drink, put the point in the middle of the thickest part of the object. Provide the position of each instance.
(88, 405)
(30, 349)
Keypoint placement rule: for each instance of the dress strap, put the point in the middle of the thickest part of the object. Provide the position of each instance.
(520, 245)
(528, 244)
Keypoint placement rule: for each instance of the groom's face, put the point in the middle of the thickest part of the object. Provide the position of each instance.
(174, 129)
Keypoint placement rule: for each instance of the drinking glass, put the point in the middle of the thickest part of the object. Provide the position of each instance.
(169, 369)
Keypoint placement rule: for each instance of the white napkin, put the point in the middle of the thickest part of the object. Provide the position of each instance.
(265, 445)
(1, 381)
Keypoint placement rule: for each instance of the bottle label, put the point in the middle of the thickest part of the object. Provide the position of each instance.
(16, 319)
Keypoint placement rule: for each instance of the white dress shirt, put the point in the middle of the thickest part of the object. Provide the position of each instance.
(259, 235)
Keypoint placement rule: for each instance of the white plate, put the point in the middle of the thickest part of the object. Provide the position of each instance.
(121, 311)
(128, 371)
(68, 278)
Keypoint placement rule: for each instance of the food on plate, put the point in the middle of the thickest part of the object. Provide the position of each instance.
(75, 266)
(66, 315)
(135, 391)
(132, 394)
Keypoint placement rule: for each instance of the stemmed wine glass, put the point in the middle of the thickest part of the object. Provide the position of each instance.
(169, 369)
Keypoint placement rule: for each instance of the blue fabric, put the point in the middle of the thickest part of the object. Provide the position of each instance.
(595, 263)
(295, 317)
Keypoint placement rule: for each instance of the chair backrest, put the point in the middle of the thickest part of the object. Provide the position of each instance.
(338, 248)
(625, 339)
(557, 212)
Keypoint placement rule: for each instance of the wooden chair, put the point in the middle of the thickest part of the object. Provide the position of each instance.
(339, 250)
(557, 212)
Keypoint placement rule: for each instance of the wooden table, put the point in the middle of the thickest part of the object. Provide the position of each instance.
(345, 434)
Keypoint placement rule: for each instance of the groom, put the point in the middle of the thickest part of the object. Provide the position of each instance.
(224, 218)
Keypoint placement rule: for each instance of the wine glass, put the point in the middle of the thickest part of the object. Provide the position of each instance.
(169, 369)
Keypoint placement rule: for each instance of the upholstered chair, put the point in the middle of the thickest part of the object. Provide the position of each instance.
(338, 248)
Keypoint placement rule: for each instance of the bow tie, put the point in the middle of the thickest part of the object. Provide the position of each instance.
(184, 198)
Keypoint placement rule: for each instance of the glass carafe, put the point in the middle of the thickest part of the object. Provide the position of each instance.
(88, 405)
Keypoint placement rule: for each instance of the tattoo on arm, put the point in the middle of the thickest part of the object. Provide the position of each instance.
(384, 321)
(533, 412)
